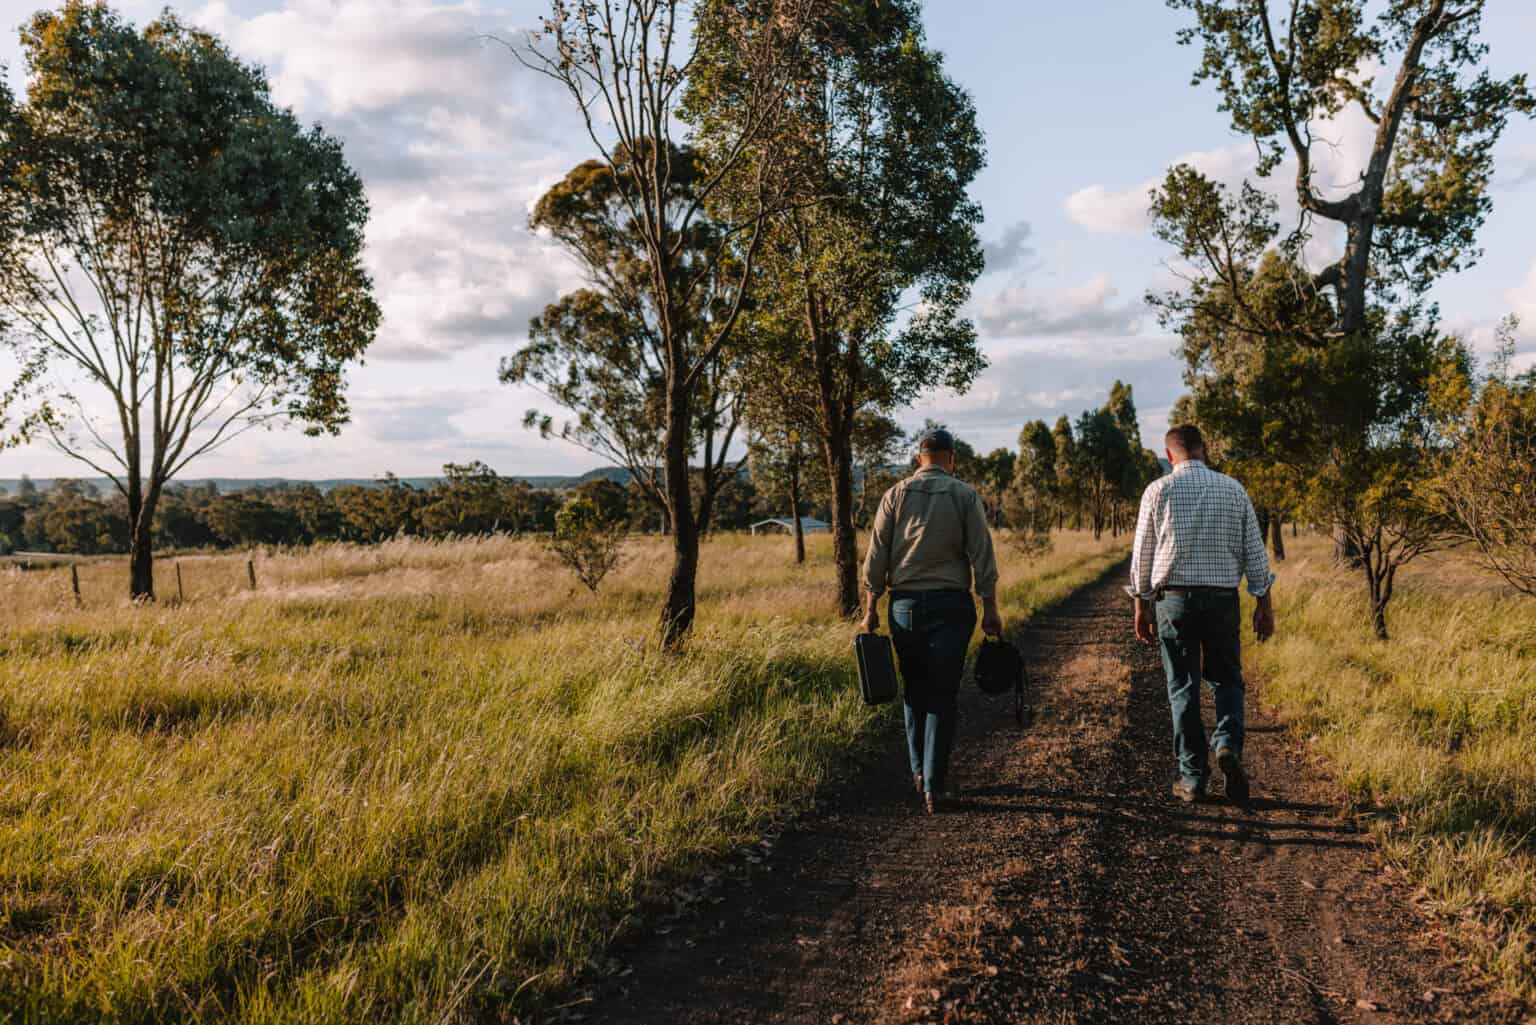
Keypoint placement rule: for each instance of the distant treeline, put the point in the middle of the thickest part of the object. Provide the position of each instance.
(82, 518)
(78, 517)
(1083, 475)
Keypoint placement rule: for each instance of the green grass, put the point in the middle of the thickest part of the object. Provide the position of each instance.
(1435, 730)
(408, 783)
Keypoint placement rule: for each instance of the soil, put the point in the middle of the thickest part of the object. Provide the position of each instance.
(1065, 885)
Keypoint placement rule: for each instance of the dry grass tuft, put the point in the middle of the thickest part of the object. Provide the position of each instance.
(1436, 730)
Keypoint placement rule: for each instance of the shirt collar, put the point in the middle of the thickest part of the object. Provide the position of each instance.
(932, 468)
(1188, 464)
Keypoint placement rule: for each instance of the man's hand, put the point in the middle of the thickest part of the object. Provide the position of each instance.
(871, 621)
(1264, 618)
(1146, 622)
(991, 619)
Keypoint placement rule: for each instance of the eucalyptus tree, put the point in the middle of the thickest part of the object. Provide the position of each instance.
(1104, 458)
(19, 391)
(1032, 501)
(874, 249)
(779, 459)
(1489, 483)
(601, 352)
(1069, 490)
(781, 421)
(1422, 195)
(178, 244)
(628, 66)
(1332, 378)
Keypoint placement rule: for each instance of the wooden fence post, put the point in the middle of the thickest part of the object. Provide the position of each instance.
(74, 581)
(250, 571)
(181, 594)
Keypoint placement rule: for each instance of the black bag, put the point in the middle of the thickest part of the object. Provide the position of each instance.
(877, 668)
(999, 669)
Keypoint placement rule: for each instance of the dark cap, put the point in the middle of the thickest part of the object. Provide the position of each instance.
(936, 439)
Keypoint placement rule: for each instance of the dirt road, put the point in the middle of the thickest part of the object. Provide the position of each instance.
(1066, 886)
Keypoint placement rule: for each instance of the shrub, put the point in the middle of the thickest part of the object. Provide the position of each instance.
(587, 542)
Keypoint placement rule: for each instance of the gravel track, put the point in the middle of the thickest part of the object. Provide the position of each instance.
(1065, 886)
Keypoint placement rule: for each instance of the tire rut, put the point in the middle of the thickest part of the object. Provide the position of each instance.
(1066, 886)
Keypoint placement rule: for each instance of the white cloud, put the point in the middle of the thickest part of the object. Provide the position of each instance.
(1123, 211)
(1522, 302)
(1340, 150)
(1516, 169)
(1088, 309)
(455, 141)
(1011, 250)
(1043, 381)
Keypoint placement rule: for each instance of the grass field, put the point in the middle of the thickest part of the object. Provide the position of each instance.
(409, 783)
(1436, 729)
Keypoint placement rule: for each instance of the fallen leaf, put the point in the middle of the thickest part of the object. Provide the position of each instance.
(1367, 1005)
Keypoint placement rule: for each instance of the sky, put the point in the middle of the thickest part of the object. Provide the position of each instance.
(1084, 107)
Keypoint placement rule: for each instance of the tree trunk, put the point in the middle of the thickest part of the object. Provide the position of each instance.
(1379, 584)
(1277, 537)
(1263, 516)
(678, 609)
(845, 540)
(794, 501)
(141, 564)
(1346, 551)
(141, 548)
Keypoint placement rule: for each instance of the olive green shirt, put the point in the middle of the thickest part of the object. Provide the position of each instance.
(930, 535)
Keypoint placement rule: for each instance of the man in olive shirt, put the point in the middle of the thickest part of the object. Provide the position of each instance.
(929, 539)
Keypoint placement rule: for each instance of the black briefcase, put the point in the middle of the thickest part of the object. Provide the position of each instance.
(877, 668)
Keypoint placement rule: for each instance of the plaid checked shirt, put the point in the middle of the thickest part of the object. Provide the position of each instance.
(1197, 528)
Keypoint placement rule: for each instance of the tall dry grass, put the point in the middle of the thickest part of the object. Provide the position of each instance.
(1435, 730)
(404, 783)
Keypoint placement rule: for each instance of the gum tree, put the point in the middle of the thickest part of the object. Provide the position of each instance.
(1489, 484)
(1280, 68)
(868, 264)
(180, 248)
(17, 422)
(600, 351)
(626, 65)
(1334, 380)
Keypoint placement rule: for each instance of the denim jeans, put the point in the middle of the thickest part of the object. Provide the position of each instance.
(931, 631)
(1199, 636)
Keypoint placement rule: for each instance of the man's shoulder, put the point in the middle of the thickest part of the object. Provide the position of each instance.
(1230, 483)
(1156, 487)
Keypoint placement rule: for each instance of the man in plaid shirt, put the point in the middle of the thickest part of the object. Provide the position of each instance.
(1197, 538)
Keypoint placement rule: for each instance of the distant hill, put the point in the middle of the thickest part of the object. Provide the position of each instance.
(227, 485)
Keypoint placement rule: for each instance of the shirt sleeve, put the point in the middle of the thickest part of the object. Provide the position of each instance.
(1255, 558)
(877, 561)
(978, 549)
(1144, 549)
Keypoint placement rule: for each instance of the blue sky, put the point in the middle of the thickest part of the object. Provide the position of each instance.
(1084, 105)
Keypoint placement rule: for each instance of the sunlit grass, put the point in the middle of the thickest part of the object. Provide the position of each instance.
(1435, 728)
(404, 783)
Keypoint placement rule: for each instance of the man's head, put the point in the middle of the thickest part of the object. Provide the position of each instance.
(936, 447)
(1184, 443)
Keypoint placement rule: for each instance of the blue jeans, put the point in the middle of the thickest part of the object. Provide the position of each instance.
(931, 631)
(1199, 636)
